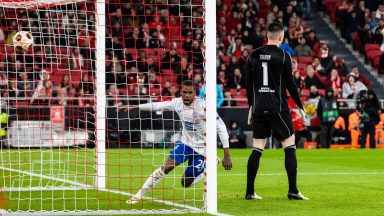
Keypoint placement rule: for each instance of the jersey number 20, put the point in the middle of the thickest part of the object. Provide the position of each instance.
(265, 73)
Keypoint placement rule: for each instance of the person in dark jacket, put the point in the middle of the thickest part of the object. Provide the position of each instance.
(236, 136)
(371, 106)
(327, 112)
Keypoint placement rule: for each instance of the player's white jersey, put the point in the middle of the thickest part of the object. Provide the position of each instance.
(193, 121)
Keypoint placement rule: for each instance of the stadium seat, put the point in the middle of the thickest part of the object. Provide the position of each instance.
(371, 54)
(322, 92)
(371, 47)
(305, 59)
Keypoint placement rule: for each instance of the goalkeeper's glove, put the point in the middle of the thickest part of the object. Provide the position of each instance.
(303, 115)
(250, 116)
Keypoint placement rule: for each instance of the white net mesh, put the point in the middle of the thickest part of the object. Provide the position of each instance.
(48, 160)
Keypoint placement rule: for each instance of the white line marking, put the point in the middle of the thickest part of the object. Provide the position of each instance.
(105, 190)
(43, 188)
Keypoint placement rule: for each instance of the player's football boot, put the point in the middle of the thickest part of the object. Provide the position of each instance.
(297, 196)
(253, 196)
(136, 198)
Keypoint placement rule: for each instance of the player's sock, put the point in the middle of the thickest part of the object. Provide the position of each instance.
(197, 179)
(291, 167)
(252, 167)
(151, 181)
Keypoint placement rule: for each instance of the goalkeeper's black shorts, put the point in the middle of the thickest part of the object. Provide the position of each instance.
(277, 123)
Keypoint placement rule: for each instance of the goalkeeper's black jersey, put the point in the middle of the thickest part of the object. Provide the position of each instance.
(269, 75)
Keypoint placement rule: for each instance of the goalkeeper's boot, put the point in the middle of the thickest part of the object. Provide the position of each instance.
(297, 196)
(253, 196)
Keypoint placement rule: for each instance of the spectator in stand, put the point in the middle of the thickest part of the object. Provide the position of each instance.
(352, 87)
(298, 79)
(334, 81)
(311, 39)
(231, 67)
(236, 136)
(326, 59)
(311, 79)
(327, 111)
(300, 130)
(81, 98)
(13, 91)
(238, 81)
(86, 85)
(113, 96)
(152, 66)
(43, 95)
(166, 89)
(303, 49)
(25, 85)
(174, 92)
(66, 86)
(222, 79)
(340, 66)
(228, 99)
(317, 65)
(272, 15)
(171, 60)
(44, 77)
(361, 77)
(314, 93)
(3, 81)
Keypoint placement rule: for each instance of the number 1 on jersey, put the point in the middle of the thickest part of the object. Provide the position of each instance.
(265, 73)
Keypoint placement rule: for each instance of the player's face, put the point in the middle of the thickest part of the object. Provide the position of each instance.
(188, 94)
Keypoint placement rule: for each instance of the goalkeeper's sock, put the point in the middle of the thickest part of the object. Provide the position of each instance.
(151, 181)
(291, 167)
(252, 167)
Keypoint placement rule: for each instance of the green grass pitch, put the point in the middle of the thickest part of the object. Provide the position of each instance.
(338, 182)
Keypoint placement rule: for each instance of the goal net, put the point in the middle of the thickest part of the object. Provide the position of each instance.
(66, 147)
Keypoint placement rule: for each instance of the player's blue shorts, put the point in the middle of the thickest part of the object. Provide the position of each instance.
(196, 162)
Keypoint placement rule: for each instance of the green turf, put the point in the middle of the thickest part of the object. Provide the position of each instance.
(338, 182)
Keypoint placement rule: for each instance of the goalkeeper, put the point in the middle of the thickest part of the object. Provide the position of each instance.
(191, 111)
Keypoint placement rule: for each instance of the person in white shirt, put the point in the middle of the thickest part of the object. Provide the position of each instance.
(191, 111)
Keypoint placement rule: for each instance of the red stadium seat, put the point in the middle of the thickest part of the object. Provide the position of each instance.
(371, 47)
(305, 59)
(371, 54)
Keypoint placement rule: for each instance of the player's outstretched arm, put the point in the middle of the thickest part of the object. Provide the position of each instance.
(167, 105)
(223, 135)
(128, 107)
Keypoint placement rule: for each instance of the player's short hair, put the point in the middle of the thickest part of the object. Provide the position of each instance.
(274, 30)
(275, 27)
(187, 83)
